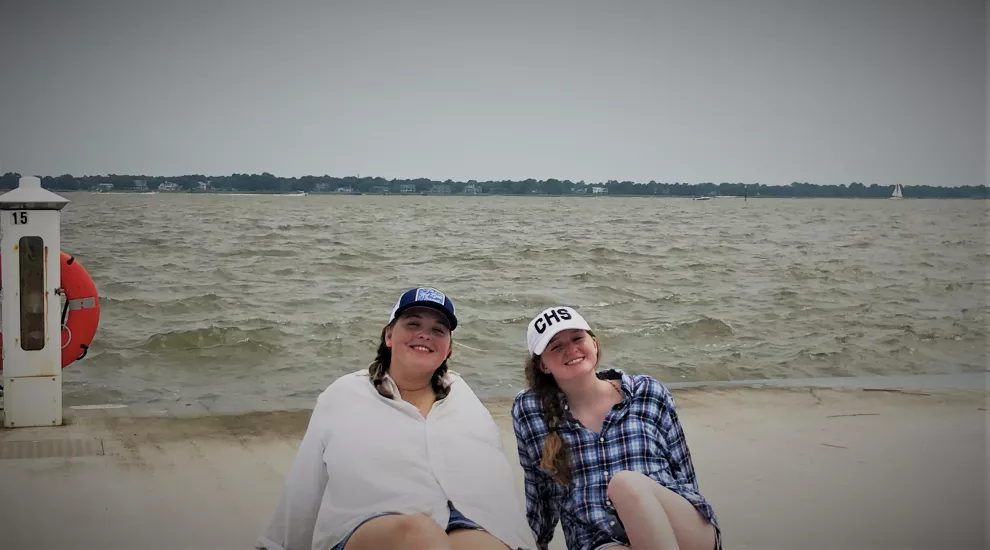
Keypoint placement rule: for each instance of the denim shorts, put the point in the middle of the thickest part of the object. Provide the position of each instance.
(718, 542)
(456, 522)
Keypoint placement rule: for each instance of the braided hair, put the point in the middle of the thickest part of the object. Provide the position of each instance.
(555, 450)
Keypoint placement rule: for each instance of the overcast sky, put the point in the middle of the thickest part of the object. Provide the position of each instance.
(770, 91)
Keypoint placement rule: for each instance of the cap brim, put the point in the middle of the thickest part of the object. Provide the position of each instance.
(451, 320)
(541, 346)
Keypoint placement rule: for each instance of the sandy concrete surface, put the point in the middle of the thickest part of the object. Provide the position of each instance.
(809, 468)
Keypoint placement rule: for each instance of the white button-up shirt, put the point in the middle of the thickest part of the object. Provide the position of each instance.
(364, 454)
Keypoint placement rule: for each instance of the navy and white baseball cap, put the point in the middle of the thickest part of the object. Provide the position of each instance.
(548, 323)
(425, 297)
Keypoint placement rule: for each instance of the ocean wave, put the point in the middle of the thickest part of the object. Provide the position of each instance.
(957, 331)
(261, 253)
(362, 257)
(486, 301)
(699, 329)
(545, 254)
(706, 327)
(611, 290)
(603, 304)
(672, 297)
(603, 253)
(584, 277)
(518, 320)
(328, 241)
(264, 341)
(340, 267)
(200, 303)
(802, 273)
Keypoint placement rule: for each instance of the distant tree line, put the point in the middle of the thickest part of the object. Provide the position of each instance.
(267, 182)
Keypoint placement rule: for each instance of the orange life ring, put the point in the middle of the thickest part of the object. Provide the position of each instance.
(80, 313)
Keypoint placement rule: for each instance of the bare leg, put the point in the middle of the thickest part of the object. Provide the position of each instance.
(693, 531)
(468, 539)
(399, 532)
(670, 514)
(643, 516)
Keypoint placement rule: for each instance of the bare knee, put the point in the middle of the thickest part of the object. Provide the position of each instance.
(627, 487)
(420, 532)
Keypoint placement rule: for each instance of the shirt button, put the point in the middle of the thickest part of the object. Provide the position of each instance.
(608, 503)
(612, 523)
(602, 439)
(606, 473)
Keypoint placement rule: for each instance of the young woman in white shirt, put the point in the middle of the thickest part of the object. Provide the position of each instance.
(401, 455)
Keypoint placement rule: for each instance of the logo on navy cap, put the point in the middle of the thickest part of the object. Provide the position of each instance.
(430, 295)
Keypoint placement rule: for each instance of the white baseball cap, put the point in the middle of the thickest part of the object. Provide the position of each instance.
(548, 323)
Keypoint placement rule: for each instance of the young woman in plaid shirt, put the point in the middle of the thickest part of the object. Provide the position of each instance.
(603, 452)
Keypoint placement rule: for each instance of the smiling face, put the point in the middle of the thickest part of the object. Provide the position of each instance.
(420, 342)
(570, 354)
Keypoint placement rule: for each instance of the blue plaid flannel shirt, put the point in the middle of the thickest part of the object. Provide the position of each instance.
(641, 434)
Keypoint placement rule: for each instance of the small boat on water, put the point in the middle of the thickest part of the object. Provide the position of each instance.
(701, 199)
(898, 192)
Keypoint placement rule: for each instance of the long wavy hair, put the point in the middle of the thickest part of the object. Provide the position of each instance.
(555, 450)
(383, 361)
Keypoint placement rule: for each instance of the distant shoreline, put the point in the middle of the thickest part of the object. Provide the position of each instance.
(270, 184)
(534, 195)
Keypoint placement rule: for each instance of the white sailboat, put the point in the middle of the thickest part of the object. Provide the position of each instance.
(898, 192)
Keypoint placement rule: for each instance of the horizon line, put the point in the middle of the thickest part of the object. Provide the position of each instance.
(450, 180)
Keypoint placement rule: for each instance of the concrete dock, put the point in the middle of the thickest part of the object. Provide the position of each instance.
(785, 468)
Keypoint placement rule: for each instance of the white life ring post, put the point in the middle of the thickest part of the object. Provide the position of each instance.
(30, 248)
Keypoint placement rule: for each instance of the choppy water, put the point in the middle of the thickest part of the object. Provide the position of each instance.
(266, 299)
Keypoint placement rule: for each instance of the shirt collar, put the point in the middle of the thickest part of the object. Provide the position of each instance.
(389, 384)
(605, 374)
(618, 374)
